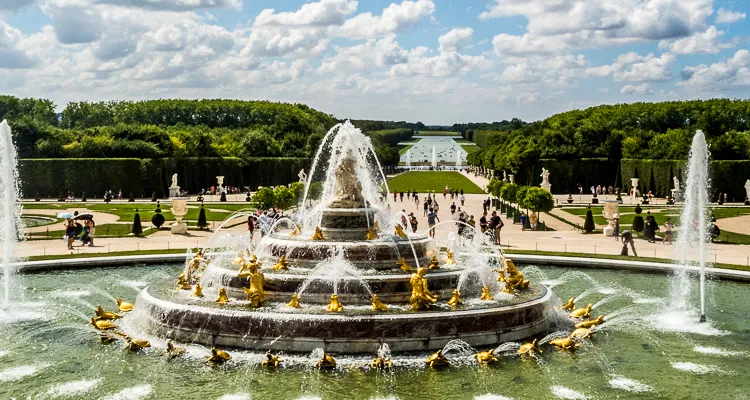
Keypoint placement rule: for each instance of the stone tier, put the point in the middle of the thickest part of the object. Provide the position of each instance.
(346, 223)
(274, 329)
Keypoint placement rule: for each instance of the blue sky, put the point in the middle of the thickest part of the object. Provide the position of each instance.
(436, 61)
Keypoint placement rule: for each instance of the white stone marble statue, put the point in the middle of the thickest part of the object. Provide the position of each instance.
(174, 180)
(174, 190)
(676, 182)
(545, 180)
(302, 176)
(747, 188)
(179, 210)
(505, 176)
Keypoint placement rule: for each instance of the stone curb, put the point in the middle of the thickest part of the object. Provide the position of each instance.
(96, 262)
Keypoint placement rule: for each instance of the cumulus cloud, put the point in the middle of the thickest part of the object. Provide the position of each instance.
(322, 13)
(699, 43)
(455, 39)
(728, 17)
(11, 55)
(372, 53)
(174, 5)
(632, 67)
(13, 5)
(394, 18)
(733, 73)
(636, 90)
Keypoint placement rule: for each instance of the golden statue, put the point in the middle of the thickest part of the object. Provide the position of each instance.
(223, 298)
(240, 259)
(449, 257)
(434, 263)
(570, 305)
(581, 333)
(485, 358)
(437, 359)
(486, 295)
(248, 264)
(421, 297)
(326, 362)
(370, 234)
(255, 293)
(400, 232)
(218, 356)
(109, 337)
(581, 313)
(182, 282)
(196, 266)
(403, 265)
(124, 306)
(591, 323)
(318, 234)
(271, 361)
(376, 225)
(294, 303)
(103, 325)
(281, 264)
(198, 291)
(528, 349)
(335, 305)
(455, 300)
(137, 344)
(294, 232)
(378, 305)
(105, 315)
(381, 362)
(173, 351)
(565, 343)
(508, 289)
(512, 276)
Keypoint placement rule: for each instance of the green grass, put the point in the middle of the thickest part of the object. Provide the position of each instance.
(626, 215)
(404, 149)
(437, 133)
(471, 149)
(422, 181)
(126, 211)
(112, 254)
(725, 212)
(104, 230)
(412, 140)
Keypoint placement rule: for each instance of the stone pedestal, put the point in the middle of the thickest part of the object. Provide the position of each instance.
(547, 187)
(179, 210)
(174, 191)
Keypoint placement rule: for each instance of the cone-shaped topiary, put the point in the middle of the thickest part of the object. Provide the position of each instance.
(83, 197)
(638, 219)
(158, 219)
(137, 228)
(131, 198)
(588, 225)
(223, 196)
(153, 196)
(202, 223)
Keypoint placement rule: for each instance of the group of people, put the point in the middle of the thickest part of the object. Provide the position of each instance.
(400, 195)
(453, 193)
(263, 219)
(494, 224)
(74, 228)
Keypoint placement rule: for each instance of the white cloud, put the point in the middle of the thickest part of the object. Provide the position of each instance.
(506, 45)
(728, 17)
(453, 40)
(734, 73)
(636, 90)
(11, 55)
(13, 5)
(394, 18)
(174, 5)
(699, 43)
(632, 67)
(372, 53)
(322, 13)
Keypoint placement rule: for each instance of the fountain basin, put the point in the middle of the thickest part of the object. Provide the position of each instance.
(358, 332)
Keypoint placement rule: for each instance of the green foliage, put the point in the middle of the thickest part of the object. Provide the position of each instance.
(508, 192)
(538, 200)
(202, 222)
(493, 187)
(422, 181)
(264, 198)
(284, 197)
(298, 190)
(391, 137)
(137, 228)
(520, 195)
(367, 125)
(588, 224)
(638, 224)
(315, 191)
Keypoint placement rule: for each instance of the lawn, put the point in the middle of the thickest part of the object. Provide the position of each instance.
(104, 230)
(471, 149)
(126, 211)
(404, 149)
(437, 133)
(422, 181)
(627, 213)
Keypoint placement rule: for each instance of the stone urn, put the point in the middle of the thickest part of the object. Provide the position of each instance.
(611, 209)
(179, 210)
(634, 187)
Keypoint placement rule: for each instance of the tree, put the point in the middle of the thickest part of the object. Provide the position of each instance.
(137, 228)
(508, 192)
(158, 219)
(521, 195)
(315, 191)
(283, 197)
(202, 221)
(298, 189)
(494, 186)
(588, 225)
(264, 198)
(538, 200)
(638, 219)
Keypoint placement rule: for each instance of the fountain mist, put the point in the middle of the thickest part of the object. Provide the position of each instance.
(434, 157)
(693, 235)
(10, 221)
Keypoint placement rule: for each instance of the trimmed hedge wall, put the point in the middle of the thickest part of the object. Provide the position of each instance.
(485, 139)
(565, 175)
(50, 177)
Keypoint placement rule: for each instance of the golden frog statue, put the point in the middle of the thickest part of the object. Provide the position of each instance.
(512, 277)
(335, 305)
(109, 336)
(326, 362)
(223, 298)
(528, 349)
(581, 313)
(105, 315)
(255, 293)
(400, 232)
(564, 343)
(421, 297)
(102, 325)
(124, 306)
(581, 333)
(591, 323)
(218, 356)
(486, 294)
(281, 265)
(198, 292)
(437, 359)
(449, 258)
(403, 265)
(378, 305)
(485, 358)
(271, 361)
(455, 300)
(370, 234)
(318, 234)
(570, 305)
(381, 363)
(294, 303)
(434, 263)
(137, 344)
(173, 351)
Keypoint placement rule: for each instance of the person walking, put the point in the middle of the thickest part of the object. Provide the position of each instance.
(70, 232)
(401, 195)
(92, 232)
(627, 237)
(435, 207)
(413, 221)
(431, 218)
(668, 227)
(469, 232)
(251, 226)
(462, 198)
(523, 221)
(453, 209)
(483, 222)
(426, 207)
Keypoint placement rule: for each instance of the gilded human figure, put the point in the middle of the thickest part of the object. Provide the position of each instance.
(421, 297)
(254, 291)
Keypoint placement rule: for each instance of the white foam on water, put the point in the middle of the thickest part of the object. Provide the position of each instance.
(699, 369)
(235, 396)
(627, 384)
(131, 393)
(18, 314)
(607, 290)
(135, 285)
(309, 398)
(490, 396)
(18, 373)
(72, 293)
(683, 321)
(647, 300)
(715, 351)
(567, 393)
(3, 353)
(75, 388)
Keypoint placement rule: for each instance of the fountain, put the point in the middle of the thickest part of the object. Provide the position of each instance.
(434, 157)
(344, 255)
(458, 157)
(10, 222)
(693, 243)
(408, 159)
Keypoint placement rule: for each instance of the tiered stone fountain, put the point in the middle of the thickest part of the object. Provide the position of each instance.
(376, 282)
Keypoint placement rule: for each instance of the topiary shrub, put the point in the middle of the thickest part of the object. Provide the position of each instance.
(153, 196)
(38, 197)
(223, 196)
(131, 199)
(595, 199)
(248, 197)
(83, 197)
(638, 219)
(137, 228)
(61, 197)
(158, 219)
(588, 225)
(202, 222)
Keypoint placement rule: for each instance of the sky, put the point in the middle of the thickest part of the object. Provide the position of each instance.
(435, 61)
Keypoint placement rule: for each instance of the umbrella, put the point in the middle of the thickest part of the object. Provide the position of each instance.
(84, 216)
(65, 215)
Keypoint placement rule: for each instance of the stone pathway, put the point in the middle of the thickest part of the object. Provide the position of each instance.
(740, 224)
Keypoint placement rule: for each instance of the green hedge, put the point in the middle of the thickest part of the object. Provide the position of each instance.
(486, 138)
(391, 137)
(50, 177)
(565, 175)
